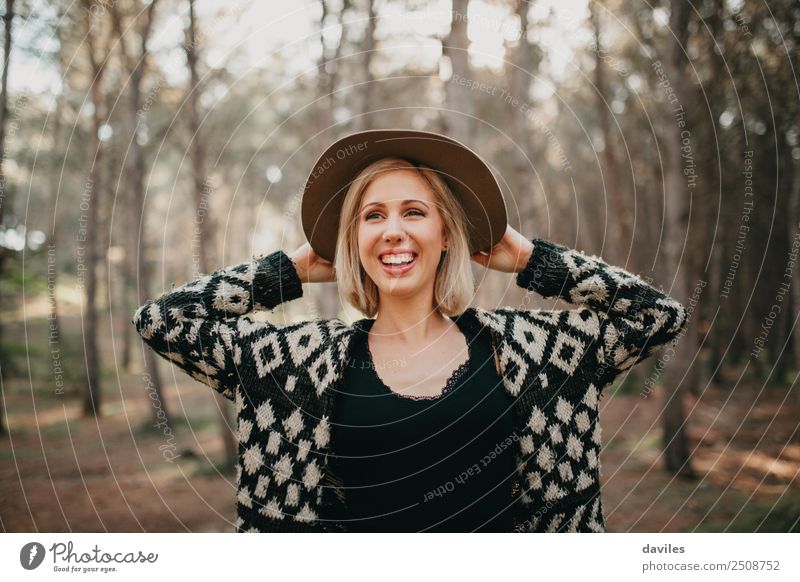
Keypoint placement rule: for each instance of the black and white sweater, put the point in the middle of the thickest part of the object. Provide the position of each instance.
(284, 380)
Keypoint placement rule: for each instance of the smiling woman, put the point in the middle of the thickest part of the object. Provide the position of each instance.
(425, 221)
(491, 421)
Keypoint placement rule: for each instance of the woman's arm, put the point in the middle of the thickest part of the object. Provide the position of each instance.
(198, 326)
(634, 317)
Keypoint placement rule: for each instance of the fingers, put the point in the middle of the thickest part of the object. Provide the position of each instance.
(481, 257)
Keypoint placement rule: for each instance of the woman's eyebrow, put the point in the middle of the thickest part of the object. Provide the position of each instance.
(404, 202)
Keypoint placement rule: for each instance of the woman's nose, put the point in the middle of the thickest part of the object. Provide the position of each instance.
(394, 228)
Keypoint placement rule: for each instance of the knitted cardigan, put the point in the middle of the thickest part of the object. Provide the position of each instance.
(284, 380)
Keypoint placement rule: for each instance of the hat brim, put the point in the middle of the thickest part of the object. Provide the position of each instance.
(467, 175)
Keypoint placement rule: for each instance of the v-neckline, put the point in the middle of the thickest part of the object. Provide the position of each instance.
(450, 383)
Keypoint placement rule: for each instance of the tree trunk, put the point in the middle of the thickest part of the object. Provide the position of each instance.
(202, 208)
(793, 226)
(364, 88)
(620, 230)
(676, 450)
(91, 198)
(136, 65)
(127, 286)
(780, 357)
(8, 20)
(525, 59)
(327, 293)
(136, 177)
(459, 108)
(326, 78)
(715, 341)
(527, 64)
(54, 325)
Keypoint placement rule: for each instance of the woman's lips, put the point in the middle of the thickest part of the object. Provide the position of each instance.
(398, 269)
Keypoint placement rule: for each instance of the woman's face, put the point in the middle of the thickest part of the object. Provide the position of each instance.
(399, 214)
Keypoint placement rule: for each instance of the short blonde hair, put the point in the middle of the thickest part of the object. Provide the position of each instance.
(454, 286)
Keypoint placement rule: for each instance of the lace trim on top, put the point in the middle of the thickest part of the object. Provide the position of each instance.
(451, 383)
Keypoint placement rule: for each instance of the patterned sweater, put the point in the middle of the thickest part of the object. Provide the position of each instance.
(284, 380)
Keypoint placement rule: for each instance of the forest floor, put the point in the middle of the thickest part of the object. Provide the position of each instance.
(61, 472)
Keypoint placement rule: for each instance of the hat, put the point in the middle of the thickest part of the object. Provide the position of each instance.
(467, 175)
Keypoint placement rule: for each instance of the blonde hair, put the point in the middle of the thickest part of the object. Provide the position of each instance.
(454, 286)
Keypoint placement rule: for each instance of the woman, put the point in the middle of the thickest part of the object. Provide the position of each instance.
(432, 416)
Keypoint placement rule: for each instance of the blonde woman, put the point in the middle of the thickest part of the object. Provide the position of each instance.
(428, 415)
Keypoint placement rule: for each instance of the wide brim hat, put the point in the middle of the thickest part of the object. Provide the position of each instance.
(467, 175)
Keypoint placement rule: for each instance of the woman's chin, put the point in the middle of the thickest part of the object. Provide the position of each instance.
(399, 286)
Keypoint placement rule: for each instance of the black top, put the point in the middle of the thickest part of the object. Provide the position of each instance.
(441, 463)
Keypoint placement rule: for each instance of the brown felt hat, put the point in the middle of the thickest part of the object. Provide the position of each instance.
(467, 175)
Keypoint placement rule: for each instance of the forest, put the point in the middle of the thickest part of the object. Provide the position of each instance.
(144, 143)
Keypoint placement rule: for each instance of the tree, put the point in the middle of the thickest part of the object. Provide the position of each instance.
(97, 48)
(136, 63)
(676, 449)
(8, 21)
(200, 190)
(327, 82)
(457, 120)
(364, 87)
(524, 67)
(620, 232)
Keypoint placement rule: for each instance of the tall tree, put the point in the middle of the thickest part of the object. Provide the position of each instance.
(794, 205)
(524, 68)
(457, 121)
(98, 40)
(620, 228)
(676, 449)
(8, 20)
(53, 234)
(327, 83)
(364, 89)
(328, 65)
(135, 62)
(203, 216)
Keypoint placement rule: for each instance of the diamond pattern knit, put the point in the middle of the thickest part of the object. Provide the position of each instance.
(284, 380)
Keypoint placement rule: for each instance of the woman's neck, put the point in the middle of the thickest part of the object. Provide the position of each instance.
(411, 324)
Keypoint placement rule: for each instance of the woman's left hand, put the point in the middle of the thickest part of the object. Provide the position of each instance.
(510, 255)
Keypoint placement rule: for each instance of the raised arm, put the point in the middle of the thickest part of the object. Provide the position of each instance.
(198, 326)
(634, 317)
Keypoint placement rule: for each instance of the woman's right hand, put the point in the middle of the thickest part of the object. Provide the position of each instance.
(310, 267)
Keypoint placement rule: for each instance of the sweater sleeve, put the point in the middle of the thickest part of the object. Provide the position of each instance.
(634, 317)
(198, 326)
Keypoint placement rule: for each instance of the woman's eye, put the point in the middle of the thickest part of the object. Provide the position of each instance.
(414, 210)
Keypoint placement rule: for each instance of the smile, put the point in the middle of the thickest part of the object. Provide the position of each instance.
(402, 264)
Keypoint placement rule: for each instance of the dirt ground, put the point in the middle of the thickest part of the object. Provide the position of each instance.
(60, 472)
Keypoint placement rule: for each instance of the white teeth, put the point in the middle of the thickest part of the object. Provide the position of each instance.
(397, 259)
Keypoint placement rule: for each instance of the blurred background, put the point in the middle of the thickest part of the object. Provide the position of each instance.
(145, 143)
